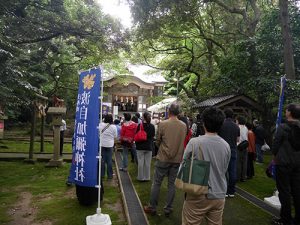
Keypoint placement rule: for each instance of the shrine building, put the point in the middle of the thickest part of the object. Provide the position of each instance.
(132, 92)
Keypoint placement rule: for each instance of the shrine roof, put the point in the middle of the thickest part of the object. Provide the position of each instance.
(142, 72)
(223, 101)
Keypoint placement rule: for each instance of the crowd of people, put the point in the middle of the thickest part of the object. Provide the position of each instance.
(230, 143)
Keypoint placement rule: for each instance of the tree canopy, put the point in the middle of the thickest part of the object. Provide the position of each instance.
(43, 45)
(210, 47)
(218, 47)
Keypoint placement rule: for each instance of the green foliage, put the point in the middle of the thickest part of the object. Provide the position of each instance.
(23, 146)
(254, 66)
(155, 99)
(43, 45)
(195, 40)
(264, 186)
(216, 48)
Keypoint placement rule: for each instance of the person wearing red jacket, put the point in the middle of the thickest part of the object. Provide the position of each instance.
(251, 151)
(189, 130)
(128, 130)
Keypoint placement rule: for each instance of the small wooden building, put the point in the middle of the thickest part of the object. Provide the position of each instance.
(240, 104)
(132, 92)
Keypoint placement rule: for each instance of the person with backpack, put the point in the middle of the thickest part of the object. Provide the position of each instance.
(286, 151)
(128, 130)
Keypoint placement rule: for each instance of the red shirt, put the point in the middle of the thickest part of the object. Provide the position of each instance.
(187, 138)
(251, 140)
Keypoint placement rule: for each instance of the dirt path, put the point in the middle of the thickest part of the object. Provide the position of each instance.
(23, 213)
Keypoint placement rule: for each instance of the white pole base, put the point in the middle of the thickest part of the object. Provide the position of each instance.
(98, 219)
(273, 201)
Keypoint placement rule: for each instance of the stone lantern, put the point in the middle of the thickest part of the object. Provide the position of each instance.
(57, 114)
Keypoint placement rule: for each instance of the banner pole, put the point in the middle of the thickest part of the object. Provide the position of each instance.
(100, 143)
(99, 218)
(281, 100)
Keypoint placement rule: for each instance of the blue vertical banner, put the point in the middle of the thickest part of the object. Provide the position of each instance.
(281, 100)
(85, 145)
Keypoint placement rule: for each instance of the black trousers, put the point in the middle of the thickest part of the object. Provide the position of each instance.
(250, 166)
(88, 195)
(61, 147)
(288, 185)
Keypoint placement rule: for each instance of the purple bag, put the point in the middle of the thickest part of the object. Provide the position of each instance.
(271, 170)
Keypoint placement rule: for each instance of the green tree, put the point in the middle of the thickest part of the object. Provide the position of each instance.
(189, 38)
(230, 46)
(259, 76)
(287, 40)
(44, 43)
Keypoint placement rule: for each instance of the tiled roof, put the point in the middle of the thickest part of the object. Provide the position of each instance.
(161, 106)
(144, 73)
(213, 101)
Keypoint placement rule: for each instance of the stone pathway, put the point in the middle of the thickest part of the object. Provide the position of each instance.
(133, 207)
(258, 202)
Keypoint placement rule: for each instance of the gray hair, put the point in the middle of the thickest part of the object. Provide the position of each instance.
(174, 109)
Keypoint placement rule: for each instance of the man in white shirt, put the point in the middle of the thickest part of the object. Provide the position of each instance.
(242, 152)
(62, 128)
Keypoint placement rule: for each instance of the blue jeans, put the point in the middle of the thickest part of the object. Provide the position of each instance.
(259, 153)
(125, 157)
(106, 154)
(133, 153)
(232, 172)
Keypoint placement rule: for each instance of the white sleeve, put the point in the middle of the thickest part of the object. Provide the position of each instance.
(194, 129)
(115, 131)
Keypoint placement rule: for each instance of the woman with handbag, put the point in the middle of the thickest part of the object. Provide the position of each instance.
(144, 144)
(210, 147)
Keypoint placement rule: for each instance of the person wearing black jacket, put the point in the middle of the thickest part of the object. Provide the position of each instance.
(230, 132)
(144, 148)
(260, 136)
(287, 160)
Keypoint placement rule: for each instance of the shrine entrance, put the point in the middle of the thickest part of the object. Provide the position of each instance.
(130, 93)
(126, 103)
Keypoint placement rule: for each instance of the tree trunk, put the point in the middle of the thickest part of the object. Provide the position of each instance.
(209, 58)
(42, 132)
(32, 135)
(287, 40)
